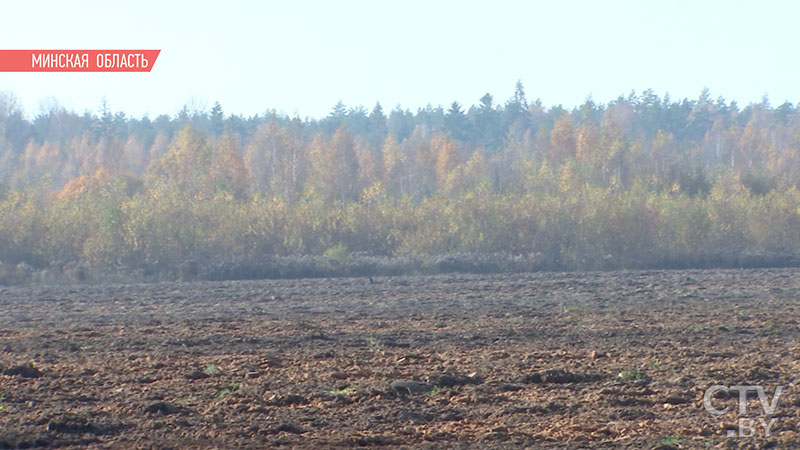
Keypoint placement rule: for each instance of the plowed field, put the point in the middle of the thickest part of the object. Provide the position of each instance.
(547, 360)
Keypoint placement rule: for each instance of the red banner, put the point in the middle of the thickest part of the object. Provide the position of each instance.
(77, 60)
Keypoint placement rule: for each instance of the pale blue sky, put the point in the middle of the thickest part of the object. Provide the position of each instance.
(301, 57)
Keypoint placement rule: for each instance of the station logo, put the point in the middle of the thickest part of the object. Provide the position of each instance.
(753, 420)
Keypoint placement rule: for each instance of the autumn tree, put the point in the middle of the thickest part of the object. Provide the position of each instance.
(134, 157)
(335, 166)
(422, 176)
(187, 164)
(562, 140)
(446, 158)
(370, 163)
(395, 164)
(263, 158)
(662, 153)
(227, 167)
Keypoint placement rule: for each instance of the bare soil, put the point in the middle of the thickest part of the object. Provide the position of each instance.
(546, 360)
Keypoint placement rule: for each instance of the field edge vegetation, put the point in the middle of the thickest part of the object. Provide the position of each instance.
(641, 182)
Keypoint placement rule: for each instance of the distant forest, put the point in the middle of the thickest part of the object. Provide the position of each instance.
(639, 182)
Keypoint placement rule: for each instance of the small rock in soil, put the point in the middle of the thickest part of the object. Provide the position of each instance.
(197, 375)
(414, 416)
(11, 442)
(23, 371)
(451, 380)
(677, 400)
(558, 376)
(74, 425)
(367, 441)
(408, 387)
(164, 408)
(289, 428)
(291, 399)
(452, 416)
(505, 387)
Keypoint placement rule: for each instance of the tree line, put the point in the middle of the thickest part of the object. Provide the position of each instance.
(641, 181)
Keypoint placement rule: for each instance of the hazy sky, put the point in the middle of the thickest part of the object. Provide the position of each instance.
(301, 57)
